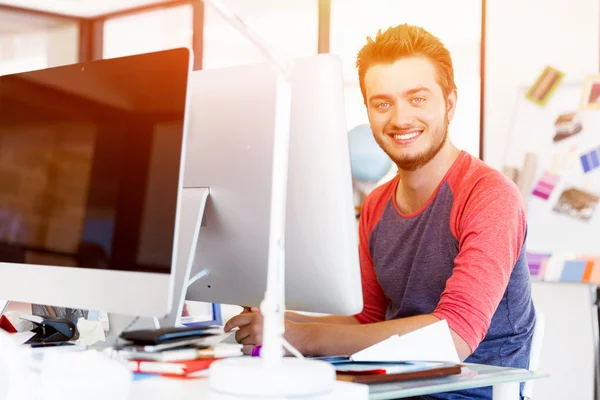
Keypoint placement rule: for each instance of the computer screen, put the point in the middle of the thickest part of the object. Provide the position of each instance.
(90, 159)
(232, 127)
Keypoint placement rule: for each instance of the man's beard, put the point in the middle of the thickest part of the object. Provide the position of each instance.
(414, 163)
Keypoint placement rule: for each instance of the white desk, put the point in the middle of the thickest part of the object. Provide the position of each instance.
(505, 382)
(163, 388)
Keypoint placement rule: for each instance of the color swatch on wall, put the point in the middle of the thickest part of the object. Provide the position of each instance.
(591, 160)
(564, 267)
(545, 185)
(573, 271)
(537, 263)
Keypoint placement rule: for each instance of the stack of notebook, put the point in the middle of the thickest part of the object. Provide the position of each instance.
(174, 351)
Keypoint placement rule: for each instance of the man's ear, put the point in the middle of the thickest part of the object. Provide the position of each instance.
(451, 104)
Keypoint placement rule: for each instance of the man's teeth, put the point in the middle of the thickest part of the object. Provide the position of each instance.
(406, 136)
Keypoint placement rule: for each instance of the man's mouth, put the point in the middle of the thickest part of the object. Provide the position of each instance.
(406, 136)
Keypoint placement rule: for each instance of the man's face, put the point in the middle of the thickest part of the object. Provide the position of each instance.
(408, 111)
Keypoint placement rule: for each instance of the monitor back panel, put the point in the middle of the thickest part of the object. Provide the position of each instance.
(230, 150)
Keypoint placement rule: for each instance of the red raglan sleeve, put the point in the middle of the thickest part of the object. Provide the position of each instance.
(375, 302)
(489, 223)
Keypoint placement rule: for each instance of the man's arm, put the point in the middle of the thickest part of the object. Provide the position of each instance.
(325, 319)
(331, 340)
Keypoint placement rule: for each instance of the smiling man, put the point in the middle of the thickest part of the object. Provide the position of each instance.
(444, 239)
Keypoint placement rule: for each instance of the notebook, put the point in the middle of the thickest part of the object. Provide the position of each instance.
(374, 378)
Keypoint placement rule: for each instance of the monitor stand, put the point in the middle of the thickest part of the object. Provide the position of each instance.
(190, 219)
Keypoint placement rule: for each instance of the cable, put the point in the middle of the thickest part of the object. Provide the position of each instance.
(129, 325)
(291, 349)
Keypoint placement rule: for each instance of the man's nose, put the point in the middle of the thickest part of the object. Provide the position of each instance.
(402, 115)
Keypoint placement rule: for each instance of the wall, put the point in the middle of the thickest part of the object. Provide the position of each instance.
(522, 38)
(569, 343)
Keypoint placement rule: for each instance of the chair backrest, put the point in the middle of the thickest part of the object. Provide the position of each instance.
(535, 352)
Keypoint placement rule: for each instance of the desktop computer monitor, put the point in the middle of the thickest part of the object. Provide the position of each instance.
(91, 159)
(230, 148)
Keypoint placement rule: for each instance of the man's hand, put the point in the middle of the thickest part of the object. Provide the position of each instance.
(250, 327)
(250, 331)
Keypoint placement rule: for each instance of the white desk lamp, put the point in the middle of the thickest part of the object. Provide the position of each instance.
(271, 374)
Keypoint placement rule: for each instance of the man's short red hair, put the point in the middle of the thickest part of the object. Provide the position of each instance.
(406, 41)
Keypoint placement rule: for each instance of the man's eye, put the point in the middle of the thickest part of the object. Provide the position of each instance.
(418, 100)
(383, 106)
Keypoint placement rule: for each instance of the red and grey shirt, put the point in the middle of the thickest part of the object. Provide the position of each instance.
(461, 257)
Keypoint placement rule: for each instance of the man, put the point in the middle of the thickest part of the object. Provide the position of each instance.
(444, 239)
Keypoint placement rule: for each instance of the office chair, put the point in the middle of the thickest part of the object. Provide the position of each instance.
(535, 352)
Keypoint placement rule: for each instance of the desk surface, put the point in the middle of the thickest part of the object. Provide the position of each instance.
(473, 376)
(194, 389)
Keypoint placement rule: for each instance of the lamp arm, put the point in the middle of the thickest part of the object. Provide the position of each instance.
(273, 305)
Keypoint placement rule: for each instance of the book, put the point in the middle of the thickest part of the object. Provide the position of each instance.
(180, 368)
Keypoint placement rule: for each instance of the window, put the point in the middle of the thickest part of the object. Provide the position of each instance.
(29, 43)
(290, 27)
(160, 29)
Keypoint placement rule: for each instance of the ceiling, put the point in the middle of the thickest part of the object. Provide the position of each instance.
(13, 21)
(79, 8)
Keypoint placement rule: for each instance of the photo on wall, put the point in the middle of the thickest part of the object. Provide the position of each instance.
(567, 125)
(544, 86)
(564, 162)
(590, 97)
(577, 203)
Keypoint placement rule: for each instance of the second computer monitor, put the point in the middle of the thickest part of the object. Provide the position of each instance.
(91, 156)
(232, 125)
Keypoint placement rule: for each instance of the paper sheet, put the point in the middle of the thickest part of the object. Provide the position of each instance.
(90, 332)
(21, 337)
(431, 343)
(563, 162)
